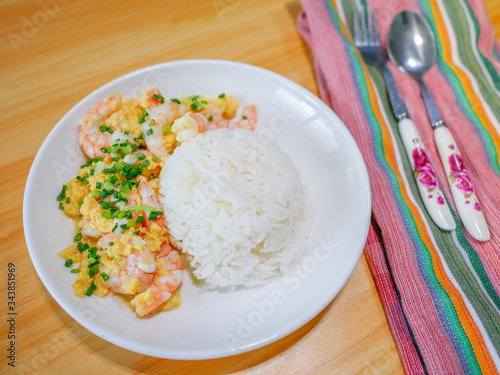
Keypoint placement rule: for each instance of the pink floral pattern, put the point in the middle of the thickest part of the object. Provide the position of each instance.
(461, 179)
(424, 172)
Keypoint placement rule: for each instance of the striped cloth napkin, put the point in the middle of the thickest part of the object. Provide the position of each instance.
(440, 290)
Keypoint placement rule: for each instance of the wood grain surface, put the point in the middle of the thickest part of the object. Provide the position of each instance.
(55, 52)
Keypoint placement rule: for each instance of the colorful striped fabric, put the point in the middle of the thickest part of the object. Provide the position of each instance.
(440, 290)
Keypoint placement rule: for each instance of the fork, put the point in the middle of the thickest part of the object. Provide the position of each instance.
(367, 40)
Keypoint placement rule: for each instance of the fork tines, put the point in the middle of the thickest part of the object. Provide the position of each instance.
(367, 35)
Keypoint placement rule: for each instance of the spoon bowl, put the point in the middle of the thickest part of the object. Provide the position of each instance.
(411, 43)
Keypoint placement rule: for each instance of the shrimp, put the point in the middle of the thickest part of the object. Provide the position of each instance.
(88, 229)
(90, 136)
(149, 198)
(167, 278)
(150, 100)
(145, 196)
(248, 118)
(191, 124)
(139, 269)
(158, 117)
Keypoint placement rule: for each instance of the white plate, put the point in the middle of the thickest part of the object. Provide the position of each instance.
(215, 324)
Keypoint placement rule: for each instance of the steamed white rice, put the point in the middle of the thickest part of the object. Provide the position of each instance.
(234, 202)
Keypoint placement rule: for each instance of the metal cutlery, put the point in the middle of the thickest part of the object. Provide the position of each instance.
(412, 48)
(367, 40)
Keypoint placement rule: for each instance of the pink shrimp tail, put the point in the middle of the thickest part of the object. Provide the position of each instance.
(89, 135)
(201, 121)
(249, 118)
(152, 102)
(163, 286)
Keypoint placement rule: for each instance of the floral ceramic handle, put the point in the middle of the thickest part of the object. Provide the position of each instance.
(460, 183)
(427, 182)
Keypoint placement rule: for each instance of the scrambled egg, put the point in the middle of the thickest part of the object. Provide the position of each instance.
(125, 117)
(84, 281)
(82, 199)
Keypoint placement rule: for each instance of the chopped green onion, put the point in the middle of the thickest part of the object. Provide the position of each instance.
(139, 219)
(98, 185)
(131, 223)
(176, 101)
(196, 105)
(81, 247)
(104, 276)
(62, 194)
(106, 214)
(68, 262)
(91, 289)
(149, 132)
(244, 117)
(155, 158)
(93, 270)
(103, 129)
(109, 170)
(94, 193)
(61, 206)
(126, 149)
(140, 156)
(118, 215)
(108, 185)
(75, 270)
(78, 237)
(221, 96)
(67, 200)
(153, 216)
(159, 97)
(210, 118)
(167, 129)
(143, 117)
(147, 208)
(113, 149)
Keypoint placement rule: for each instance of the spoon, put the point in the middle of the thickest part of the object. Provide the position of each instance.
(412, 48)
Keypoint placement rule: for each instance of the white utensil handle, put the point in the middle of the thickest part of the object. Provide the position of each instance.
(425, 176)
(461, 186)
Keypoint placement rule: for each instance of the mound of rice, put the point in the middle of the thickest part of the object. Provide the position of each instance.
(234, 202)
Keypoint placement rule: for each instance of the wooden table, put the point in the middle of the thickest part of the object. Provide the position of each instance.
(59, 51)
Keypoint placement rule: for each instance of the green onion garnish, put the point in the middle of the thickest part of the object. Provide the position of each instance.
(147, 208)
(159, 97)
(91, 289)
